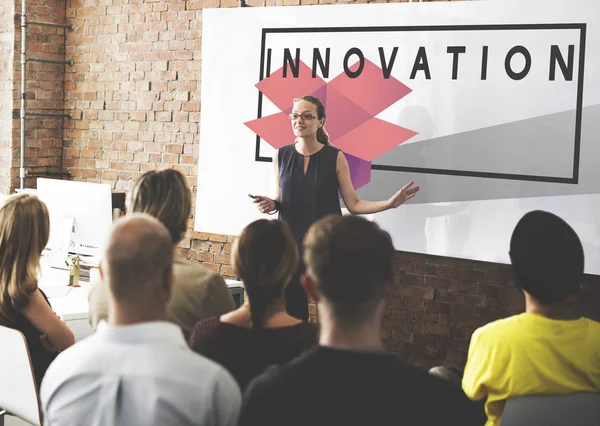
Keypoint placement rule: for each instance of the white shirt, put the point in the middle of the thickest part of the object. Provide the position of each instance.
(143, 374)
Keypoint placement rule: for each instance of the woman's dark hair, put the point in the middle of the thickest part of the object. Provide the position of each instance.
(265, 257)
(322, 135)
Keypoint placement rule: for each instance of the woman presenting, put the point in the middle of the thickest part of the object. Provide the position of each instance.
(309, 174)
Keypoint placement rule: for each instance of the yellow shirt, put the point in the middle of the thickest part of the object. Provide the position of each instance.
(530, 354)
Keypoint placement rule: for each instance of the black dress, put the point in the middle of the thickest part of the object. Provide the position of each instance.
(40, 357)
(305, 198)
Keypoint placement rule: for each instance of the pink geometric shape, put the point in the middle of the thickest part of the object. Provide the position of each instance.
(282, 91)
(343, 115)
(373, 138)
(360, 171)
(320, 93)
(370, 89)
(275, 129)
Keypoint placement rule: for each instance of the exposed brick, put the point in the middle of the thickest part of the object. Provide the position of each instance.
(438, 330)
(422, 293)
(427, 317)
(449, 272)
(438, 283)
(425, 269)
(462, 299)
(411, 279)
(437, 307)
(414, 327)
(463, 311)
(463, 287)
(413, 304)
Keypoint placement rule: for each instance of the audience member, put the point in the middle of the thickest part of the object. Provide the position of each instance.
(197, 292)
(260, 333)
(24, 232)
(349, 379)
(548, 349)
(137, 369)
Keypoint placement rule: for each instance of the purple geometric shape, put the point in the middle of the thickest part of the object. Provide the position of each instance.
(360, 171)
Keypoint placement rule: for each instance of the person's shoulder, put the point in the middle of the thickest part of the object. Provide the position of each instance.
(206, 330)
(501, 327)
(198, 365)
(187, 273)
(75, 360)
(593, 325)
(289, 375)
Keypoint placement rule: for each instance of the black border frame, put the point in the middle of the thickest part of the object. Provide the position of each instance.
(582, 27)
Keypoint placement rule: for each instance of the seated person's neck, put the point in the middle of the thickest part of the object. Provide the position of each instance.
(275, 316)
(132, 315)
(556, 311)
(365, 337)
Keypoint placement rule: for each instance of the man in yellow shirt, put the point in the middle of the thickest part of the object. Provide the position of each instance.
(548, 349)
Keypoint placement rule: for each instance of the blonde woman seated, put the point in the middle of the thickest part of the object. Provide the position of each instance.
(260, 333)
(24, 232)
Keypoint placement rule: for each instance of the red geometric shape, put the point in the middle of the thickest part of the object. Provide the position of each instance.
(282, 91)
(373, 138)
(370, 90)
(275, 129)
(343, 114)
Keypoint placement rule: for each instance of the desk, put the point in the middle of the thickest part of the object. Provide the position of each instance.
(73, 307)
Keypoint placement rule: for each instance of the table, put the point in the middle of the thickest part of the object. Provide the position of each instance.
(72, 306)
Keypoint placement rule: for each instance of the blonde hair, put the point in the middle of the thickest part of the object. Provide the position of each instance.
(24, 232)
(322, 135)
(166, 196)
(265, 257)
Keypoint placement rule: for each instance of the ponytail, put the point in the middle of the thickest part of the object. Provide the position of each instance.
(259, 299)
(322, 136)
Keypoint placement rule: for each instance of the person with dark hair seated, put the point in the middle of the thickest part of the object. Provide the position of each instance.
(260, 333)
(349, 379)
(548, 349)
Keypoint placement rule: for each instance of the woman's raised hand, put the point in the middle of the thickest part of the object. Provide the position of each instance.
(407, 192)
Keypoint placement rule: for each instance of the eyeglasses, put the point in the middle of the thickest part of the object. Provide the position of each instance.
(306, 116)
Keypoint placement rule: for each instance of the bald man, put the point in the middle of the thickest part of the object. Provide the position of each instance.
(137, 369)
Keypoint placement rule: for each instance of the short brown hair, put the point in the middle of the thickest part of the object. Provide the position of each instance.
(351, 261)
(265, 257)
(24, 232)
(165, 195)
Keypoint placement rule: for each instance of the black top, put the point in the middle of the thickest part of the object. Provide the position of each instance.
(245, 353)
(40, 357)
(328, 386)
(305, 198)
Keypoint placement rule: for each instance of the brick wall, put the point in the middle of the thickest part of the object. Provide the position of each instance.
(44, 91)
(134, 92)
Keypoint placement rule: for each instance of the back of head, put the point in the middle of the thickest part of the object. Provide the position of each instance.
(265, 257)
(24, 232)
(165, 195)
(350, 260)
(547, 257)
(138, 261)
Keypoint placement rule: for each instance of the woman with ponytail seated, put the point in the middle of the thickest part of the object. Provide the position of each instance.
(260, 333)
